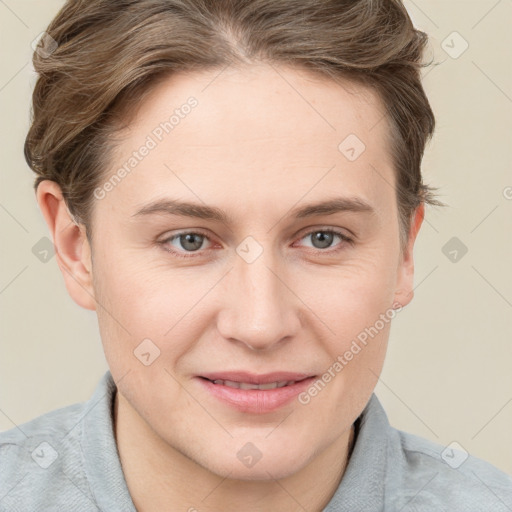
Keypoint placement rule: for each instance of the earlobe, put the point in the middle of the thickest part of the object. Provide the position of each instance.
(72, 249)
(404, 292)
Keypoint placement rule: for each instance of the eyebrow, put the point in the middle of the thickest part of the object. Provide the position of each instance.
(187, 209)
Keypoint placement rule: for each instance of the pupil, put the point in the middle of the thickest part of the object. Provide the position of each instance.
(325, 239)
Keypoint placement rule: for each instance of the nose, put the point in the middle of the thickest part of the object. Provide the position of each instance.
(259, 311)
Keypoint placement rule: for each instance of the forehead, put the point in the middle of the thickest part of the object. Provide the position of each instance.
(261, 132)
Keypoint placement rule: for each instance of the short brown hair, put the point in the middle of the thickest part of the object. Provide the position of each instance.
(110, 53)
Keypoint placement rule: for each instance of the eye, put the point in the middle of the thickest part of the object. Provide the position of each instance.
(323, 239)
(186, 242)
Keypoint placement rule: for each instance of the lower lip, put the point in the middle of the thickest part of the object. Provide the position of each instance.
(258, 401)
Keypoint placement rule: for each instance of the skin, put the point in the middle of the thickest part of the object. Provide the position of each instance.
(256, 149)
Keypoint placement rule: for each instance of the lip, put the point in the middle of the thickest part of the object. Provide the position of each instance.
(256, 401)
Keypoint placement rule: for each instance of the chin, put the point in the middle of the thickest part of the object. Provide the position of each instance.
(250, 464)
(271, 470)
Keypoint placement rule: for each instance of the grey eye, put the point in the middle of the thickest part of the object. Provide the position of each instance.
(321, 239)
(190, 241)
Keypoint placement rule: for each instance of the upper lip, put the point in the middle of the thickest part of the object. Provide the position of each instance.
(253, 378)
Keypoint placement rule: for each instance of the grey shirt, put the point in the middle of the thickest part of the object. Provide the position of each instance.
(67, 460)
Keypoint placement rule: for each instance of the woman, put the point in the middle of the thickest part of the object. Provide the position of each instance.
(235, 188)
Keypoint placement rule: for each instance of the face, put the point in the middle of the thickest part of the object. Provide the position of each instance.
(251, 281)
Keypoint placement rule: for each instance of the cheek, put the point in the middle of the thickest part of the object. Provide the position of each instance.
(147, 302)
(351, 295)
(361, 321)
(354, 302)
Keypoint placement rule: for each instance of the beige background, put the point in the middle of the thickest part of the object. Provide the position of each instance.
(448, 373)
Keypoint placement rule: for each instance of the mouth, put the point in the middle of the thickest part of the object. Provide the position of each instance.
(252, 393)
(248, 385)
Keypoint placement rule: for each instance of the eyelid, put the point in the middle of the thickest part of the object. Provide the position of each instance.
(330, 229)
(197, 231)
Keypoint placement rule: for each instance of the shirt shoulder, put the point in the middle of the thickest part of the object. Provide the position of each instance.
(41, 464)
(423, 474)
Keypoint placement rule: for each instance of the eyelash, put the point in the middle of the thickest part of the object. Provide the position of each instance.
(191, 254)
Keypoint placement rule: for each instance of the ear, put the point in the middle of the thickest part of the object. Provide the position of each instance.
(405, 277)
(72, 248)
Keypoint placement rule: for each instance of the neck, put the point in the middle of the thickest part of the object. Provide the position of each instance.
(159, 477)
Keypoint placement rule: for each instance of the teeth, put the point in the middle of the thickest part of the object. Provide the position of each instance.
(245, 385)
(268, 385)
(231, 384)
(248, 385)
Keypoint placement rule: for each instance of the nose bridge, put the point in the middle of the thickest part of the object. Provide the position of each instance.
(259, 310)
